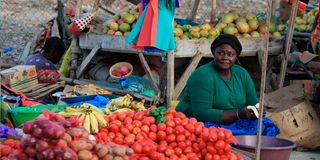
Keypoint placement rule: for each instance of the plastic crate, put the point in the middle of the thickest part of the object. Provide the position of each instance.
(20, 115)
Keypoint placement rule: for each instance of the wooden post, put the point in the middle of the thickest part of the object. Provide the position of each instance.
(170, 77)
(87, 60)
(194, 10)
(288, 43)
(183, 80)
(214, 10)
(147, 69)
(263, 81)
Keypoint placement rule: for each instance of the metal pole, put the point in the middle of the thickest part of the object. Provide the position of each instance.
(288, 43)
(263, 79)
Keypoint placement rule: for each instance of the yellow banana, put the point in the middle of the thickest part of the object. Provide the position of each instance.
(69, 114)
(93, 123)
(81, 118)
(100, 118)
(86, 123)
(73, 109)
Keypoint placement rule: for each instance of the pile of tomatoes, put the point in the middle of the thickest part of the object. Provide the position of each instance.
(179, 138)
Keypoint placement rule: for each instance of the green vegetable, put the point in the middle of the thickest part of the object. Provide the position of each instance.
(161, 119)
(162, 110)
(154, 112)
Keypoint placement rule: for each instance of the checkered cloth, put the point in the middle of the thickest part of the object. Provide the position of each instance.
(79, 25)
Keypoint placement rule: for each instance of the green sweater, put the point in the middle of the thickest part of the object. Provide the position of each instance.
(207, 94)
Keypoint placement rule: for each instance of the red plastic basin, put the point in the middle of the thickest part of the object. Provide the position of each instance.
(271, 148)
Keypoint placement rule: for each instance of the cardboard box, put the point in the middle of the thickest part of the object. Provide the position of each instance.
(20, 76)
(300, 124)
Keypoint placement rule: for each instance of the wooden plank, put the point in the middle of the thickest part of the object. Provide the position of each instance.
(183, 80)
(147, 69)
(55, 29)
(87, 60)
(39, 91)
(47, 92)
(288, 43)
(25, 53)
(33, 87)
(263, 81)
(170, 77)
(214, 10)
(194, 10)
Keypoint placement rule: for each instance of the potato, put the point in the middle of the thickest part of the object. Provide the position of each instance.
(119, 151)
(129, 151)
(103, 151)
(67, 137)
(37, 132)
(76, 132)
(95, 157)
(85, 155)
(108, 157)
(31, 152)
(78, 145)
(97, 147)
(69, 155)
(62, 143)
(89, 146)
(117, 158)
(27, 127)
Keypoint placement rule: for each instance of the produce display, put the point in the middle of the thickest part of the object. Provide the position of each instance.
(89, 116)
(245, 25)
(172, 136)
(8, 146)
(305, 24)
(123, 104)
(122, 23)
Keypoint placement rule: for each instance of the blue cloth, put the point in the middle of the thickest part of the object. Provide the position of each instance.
(41, 62)
(98, 101)
(249, 127)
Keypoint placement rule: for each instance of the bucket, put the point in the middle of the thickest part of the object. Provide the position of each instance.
(271, 148)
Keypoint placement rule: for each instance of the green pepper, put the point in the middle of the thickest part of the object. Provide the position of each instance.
(162, 110)
(154, 112)
(161, 119)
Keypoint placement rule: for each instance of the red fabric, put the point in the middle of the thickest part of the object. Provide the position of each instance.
(148, 32)
(74, 29)
(71, 8)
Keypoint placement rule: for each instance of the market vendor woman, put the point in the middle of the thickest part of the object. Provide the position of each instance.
(220, 91)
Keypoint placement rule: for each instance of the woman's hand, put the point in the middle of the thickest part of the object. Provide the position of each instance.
(246, 113)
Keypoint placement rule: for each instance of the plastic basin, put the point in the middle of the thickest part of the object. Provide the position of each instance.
(271, 148)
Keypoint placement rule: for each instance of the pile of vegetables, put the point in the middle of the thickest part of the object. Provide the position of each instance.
(167, 134)
(7, 147)
(51, 137)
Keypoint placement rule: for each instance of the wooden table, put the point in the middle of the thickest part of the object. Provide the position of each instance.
(195, 49)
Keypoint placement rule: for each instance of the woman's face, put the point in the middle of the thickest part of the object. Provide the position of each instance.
(225, 56)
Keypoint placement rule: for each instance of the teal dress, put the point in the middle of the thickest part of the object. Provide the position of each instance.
(157, 34)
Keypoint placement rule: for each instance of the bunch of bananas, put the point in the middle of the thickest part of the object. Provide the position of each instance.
(125, 102)
(89, 116)
(89, 89)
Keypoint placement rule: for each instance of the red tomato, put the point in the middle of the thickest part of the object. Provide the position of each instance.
(171, 138)
(185, 122)
(139, 137)
(223, 157)
(112, 117)
(121, 116)
(146, 149)
(177, 121)
(169, 152)
(152, 136)
(174, 157)
(213, 136)
(187, 133)
(162, 126)
(136, 130)
(129, 127)
(180, 138)
(182, 145)
(233, 157)
(203, 152)
(220, 144)
(183, 157)
(171, 111)
(124, 131)
(111, 135)
(153, 128)
(129, 140)
(202, 144)
(208, 156)
(151, 120)
(170, 124)
(113, 128)
(161, 135)
(137, 147)
(117, 122)
(145, 128)
(193, 121)
(205, 134)
(228, 134)
(178, 151)
(139, 115)
(127, 120)
(239, 157)
(221, 135)
(136, 123)
(179, 129)
(162, 148)
(143, 158)
(169, 117)
(173, 144)
(198, 129)
(189, 143)
(190, 128)
(179, 115)
(118, 140)
(195, 147)
(163, 143)
(188, 150)
(227, 148)
(169, 130)
(216, 157)
(130, 114)
(211, 149)
(191, 155)
(119, 135)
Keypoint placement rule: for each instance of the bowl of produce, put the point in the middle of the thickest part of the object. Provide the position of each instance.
(271, 147)
(121, 69)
